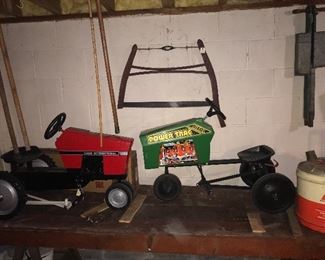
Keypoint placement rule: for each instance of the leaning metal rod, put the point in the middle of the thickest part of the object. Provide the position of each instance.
(14, 90)
(107, 65)
(7, 116)
(99, 101)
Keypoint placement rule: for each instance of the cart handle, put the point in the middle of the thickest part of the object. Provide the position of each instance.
(214, 110)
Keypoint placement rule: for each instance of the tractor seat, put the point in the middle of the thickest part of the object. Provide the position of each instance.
(256, 153)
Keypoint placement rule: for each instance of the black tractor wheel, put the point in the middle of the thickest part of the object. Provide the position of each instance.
(42, 161)
(127, 183)
(118, 195)
(251, 172)
(167, 187)
(12, 195)
(273, 193)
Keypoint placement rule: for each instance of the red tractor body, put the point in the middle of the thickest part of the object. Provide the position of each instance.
(75, 144)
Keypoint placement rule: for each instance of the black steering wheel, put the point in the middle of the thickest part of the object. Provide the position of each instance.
(55, 126)
(214, 110)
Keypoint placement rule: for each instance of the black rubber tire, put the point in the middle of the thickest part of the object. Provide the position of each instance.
(122, 191)
(44, 159)
(127, 183)
(167, 187)
(273, 193)
(17, 190)
(256, 170)
(55, 126)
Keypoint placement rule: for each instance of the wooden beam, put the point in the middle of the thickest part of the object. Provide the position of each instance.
(180, 10)
(109, 4)
(53, 6)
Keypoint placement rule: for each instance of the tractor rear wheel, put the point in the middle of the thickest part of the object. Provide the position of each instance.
(118, 195)
(273, 193)
(12, 195)
(167, 187)
(250, 172)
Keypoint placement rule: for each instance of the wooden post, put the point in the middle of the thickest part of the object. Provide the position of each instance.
(107, 65)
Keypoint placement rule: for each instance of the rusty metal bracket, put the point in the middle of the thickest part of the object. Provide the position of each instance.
(191, 69)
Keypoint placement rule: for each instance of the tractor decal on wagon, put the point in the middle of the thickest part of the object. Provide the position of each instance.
(179, 152)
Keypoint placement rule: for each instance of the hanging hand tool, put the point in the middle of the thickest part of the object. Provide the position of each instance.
(309, 55)
(107, 65)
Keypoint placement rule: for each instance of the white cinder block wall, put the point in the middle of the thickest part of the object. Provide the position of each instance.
(252, 53)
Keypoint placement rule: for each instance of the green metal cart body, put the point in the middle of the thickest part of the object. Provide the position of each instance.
(179, 144)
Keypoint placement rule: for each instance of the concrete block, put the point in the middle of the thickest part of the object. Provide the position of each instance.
(188, 28)
(227, 55)
(74, 33)
(287, 110)
(49, 91)
(44, 32)
(287, 23)
(287, 84)
(272, 111)
(271, 53)
(247, 25)
(260, 111)
(22, 63)
(235, 110)
(246, 83)
(70, 63)
(46, 64)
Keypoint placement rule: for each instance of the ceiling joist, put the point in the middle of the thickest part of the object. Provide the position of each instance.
(166, 7)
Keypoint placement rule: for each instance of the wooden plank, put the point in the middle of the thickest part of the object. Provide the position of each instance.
(94, 211)
(133, 209)
(293, 222)
(255, 222)
(52, 6)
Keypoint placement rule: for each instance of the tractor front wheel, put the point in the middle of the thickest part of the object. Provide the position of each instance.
(167, 187)
(118, 195)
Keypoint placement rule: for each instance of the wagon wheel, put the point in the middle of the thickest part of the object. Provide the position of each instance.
(12, 195)
(251, 172)
(55, 126)
(167, 187)
(273, 193)
(118, 195)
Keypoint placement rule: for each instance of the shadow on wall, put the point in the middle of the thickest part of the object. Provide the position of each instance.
(297, 89)
(321, 101)
(286, 161)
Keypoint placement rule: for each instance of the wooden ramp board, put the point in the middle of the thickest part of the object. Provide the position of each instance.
(94, 211)
(255, 222)
(133, 209)
(293, 222)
